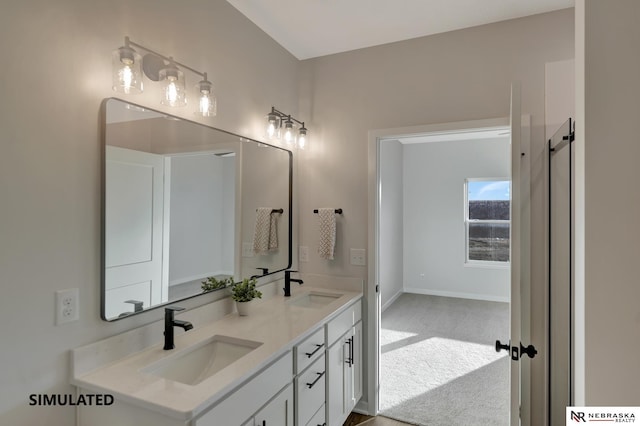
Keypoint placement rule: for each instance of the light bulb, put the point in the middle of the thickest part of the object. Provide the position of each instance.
(174, 91)
(125, 76)
(288, 135)
(288, 131)
(207, 103)
(271, 129)
(171, 92)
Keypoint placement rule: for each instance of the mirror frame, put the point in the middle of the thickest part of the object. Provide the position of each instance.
(103, 140)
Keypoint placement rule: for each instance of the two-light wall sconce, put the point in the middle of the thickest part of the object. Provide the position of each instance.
(282, 126)
(129, 68)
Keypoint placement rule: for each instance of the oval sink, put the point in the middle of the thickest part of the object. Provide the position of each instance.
(314, 299)
(202, 360)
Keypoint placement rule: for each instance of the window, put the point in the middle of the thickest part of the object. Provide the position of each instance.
(487, 220)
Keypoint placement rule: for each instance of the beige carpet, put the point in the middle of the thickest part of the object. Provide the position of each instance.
(439, 365)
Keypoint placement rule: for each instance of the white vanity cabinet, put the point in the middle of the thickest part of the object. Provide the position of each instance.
(344, 364)
(278, 412)
(252, 397)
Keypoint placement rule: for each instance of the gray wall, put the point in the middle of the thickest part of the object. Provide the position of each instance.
(391, 221)
(434, 232)
(57, 70)
(456, 76)
(607, 202)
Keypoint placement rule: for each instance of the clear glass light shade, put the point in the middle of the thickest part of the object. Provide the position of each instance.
(273, 126)
(207, 102)
(288, 132)
(302, 138)
(127, 70)
(173, 86)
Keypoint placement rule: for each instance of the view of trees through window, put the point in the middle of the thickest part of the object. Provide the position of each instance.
(488, 220)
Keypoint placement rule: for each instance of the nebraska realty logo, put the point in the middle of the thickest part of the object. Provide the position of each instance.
(578, 415)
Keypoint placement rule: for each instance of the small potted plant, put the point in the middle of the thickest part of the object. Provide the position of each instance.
(243, 293)
(212, 283)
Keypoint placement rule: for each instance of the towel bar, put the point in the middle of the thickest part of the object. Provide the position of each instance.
(338, 211)
(276, 211)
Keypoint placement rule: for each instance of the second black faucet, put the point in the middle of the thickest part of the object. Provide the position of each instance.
(287, 282)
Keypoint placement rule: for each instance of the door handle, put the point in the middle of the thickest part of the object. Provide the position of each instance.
(516, 352)
(500, 346)
(529, 350)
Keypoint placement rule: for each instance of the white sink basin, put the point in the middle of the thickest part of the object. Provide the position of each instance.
(203, 360)
(314, 299)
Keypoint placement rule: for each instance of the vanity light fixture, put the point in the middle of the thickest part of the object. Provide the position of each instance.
(129, 67)
(278, 119)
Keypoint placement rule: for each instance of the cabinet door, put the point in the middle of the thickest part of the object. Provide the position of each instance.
(337, 410)
(353, 368)
(278, 412)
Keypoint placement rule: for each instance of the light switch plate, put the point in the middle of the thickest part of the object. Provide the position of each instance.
(358, 257)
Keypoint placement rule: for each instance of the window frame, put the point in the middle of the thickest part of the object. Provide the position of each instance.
(497, 264)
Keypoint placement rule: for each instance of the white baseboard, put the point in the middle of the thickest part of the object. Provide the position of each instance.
(390, 301)
(456, 294)
(362, 407)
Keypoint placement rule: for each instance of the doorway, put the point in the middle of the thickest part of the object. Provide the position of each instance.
(391, 338)
(438, 363)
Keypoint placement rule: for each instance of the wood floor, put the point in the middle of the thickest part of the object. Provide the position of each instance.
(360, 419)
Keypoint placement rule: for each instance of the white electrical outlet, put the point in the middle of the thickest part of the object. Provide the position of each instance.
(67, 305)
(303, 254)
(358, 257)
(247, 249)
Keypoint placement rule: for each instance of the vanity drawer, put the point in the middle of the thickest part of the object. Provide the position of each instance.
(248, 399)
(318, 418)
(343, 322)
(310, 391)
(309, 350)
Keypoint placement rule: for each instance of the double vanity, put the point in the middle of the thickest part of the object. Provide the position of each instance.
(294, 361)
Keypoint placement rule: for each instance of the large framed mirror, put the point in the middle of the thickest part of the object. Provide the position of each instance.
(182, 202)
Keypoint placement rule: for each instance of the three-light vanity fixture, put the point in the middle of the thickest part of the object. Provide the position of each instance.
(129, 68)
(282, 126)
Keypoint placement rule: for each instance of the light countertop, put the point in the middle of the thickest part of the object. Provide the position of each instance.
(275, 323)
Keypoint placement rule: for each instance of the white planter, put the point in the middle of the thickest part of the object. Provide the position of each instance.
(244, 307)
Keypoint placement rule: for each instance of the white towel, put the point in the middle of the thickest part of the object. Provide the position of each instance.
(265, 237)
(327, 243)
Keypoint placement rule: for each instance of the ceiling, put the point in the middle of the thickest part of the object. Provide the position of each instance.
(312, 28)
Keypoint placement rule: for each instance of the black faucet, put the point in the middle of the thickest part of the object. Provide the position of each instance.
(287, 282)
(265, 271)
(169, 323)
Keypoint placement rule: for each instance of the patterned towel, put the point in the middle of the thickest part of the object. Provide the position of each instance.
(265, 237)
(327, 243)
